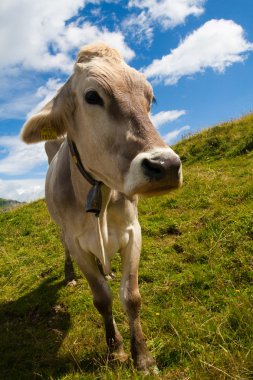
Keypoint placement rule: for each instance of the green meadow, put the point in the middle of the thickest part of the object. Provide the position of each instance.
(196, 278)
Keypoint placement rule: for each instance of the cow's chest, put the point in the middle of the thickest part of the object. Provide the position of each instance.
(115, 238)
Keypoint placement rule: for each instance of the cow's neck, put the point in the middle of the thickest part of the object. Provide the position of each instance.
(81, 189)
(93, 203)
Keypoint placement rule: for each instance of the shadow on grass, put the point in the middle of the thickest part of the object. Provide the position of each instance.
(32, 331)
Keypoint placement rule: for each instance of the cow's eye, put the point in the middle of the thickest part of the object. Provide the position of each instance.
(92, 97)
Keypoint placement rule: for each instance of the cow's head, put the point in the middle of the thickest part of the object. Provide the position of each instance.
(104, 108)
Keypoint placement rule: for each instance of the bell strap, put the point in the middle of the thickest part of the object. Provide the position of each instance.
(94, 197)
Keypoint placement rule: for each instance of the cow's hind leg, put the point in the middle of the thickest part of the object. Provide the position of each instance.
(102, 299)
(69, 272)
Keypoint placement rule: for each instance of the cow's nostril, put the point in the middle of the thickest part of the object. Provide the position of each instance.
(153, 169)
(161, 168)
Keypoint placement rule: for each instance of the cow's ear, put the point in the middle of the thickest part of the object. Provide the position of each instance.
(52, 121)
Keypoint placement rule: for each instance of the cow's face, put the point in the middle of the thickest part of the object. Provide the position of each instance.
(104, 108)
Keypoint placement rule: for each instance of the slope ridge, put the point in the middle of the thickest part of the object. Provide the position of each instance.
(230, 139)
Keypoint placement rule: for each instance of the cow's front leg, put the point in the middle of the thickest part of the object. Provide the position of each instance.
(131, 299)
(102, 299)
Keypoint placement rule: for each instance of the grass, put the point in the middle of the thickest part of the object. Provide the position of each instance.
(195, 277)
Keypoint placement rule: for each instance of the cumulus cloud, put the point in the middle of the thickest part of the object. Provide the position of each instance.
(164, 117)
(22, 190)
(21, 158)
(217, 44)
(45, 93)
(80, 33)
(165, 13)
(21, 99)
(169, 13)
(17, 93)
(40, 36)
(139, 27)
(171, 137)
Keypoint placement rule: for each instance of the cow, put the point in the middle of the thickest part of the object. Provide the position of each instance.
(104, 152)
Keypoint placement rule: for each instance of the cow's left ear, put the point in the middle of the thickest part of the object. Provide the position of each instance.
(52, 121)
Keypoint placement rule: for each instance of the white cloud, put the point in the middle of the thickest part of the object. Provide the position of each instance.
(30, 27)
(21, 99)
(22, 190)
(166, 13)
(80, 33)
(164, 117)
(172, 136)
(47, 93)
(40, 38)
(17, 93)
(43, 37)
(17, 107)
(139, 27)
(217, 44)
(21, 158)
(169, 13)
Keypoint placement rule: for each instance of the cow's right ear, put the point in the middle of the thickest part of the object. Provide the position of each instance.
(50, 122)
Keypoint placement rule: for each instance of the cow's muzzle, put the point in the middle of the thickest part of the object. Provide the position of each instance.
(154, 172)
(159, 168)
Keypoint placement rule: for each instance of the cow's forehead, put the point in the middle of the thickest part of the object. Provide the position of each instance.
(116, 78)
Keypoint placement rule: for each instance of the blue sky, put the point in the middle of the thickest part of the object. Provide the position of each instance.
(198, 55)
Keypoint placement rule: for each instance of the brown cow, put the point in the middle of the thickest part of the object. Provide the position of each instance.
(111, 154)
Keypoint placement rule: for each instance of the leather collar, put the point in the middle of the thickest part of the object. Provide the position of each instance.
(93, 202)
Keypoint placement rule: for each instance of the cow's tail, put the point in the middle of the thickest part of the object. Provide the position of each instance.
(52, 147)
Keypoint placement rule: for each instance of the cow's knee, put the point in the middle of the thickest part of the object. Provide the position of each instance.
(131, 300)
(103, 302)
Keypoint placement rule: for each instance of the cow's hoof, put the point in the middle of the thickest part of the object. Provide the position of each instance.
(153, 370)
(118, 354)
(121, 356)
(110, 277)
(146, 365)
(150, 371)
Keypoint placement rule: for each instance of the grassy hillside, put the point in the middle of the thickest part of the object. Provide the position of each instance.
(228, 140)
(196, 278)
(6, 204)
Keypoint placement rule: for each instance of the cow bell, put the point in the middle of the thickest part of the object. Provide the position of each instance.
(94, 199)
